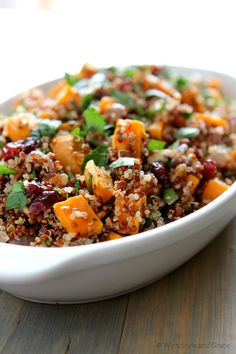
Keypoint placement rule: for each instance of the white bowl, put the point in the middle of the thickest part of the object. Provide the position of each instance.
(99, 271)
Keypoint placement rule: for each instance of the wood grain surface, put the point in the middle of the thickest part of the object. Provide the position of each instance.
(188, 312)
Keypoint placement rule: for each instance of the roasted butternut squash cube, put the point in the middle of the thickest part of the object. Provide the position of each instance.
(130, 212)
(54, 91)
(156, 130)
(105, 104)
(194, 182)
(67, 95)
(19, 126)
(114, 236)
(128, 137)
(100, 180)
(154, 82)
(77, 217)
(69, 151)
(87, 71)
(213, 189)
(211, 119)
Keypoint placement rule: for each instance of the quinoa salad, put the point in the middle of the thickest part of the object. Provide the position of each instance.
(112, 152)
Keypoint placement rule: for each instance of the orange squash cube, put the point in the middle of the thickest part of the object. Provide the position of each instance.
(114, 236)
(213, 189)
(67, 150)
(105, 104)
(67, 94)
(101, 181)
(154, 82)
(19, 126)
(128, 137)
(194, 182)
(214, 83)
(87, 71)
(156, 130)
(54, 91)
(211, 120)
(77, 217)
(129, 212)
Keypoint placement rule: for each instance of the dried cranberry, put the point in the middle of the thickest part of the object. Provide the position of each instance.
(155, 69)
(43, 201)
(159, 172)
(125, 84)
(209, 169)
(29, 145)
(34, 189)
(10, 150)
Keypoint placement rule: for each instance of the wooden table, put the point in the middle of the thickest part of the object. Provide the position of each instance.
(190, 311)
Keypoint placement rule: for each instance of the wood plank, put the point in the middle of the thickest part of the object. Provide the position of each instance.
(62, 329)
(193, 306)
(10, 312)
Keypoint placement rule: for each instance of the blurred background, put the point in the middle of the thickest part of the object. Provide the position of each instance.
(41, 39)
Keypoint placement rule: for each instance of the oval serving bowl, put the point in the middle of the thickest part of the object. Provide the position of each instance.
(108, 269)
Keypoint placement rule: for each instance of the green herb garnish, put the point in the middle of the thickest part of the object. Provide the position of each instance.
(123, 98)
(148, 223)
(70, 175)
(187, 132)
(98, 155)
(17, 198)
(1, 144)
(94, 121)
(156, 145)
(181, 83)
(186, 115)
(71, 79)
(47, 127)
(4, 170)
(123, 161)
(170, 196)
(76, 132)
(33, 174)
(129, 71)
(86, 100)
(90, 184)
(77, 187)
(112, 69)
(48, 243)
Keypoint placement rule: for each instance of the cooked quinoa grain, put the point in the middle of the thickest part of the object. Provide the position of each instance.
(109, 153)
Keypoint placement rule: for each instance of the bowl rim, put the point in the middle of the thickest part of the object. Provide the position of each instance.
(158, 233)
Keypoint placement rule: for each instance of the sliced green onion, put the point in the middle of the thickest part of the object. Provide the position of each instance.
(77, 187)
(90, 184)
(181, 83)
(156, 93)
(175, 145)
(187, 132)
(156, 145)
(76, 132)
(123, 161)
(4, 170)
(170, 196)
